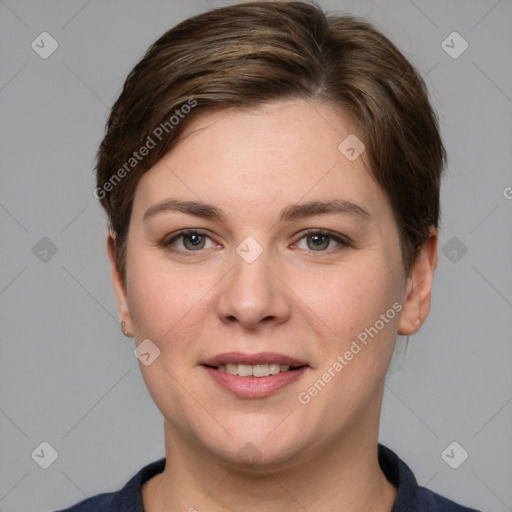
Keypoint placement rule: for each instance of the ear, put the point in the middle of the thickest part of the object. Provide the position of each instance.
(119, 285)
(416, 304)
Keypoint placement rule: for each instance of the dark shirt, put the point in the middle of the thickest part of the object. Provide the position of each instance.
(410, 497)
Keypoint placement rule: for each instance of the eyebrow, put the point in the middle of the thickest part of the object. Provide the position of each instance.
(292, 212)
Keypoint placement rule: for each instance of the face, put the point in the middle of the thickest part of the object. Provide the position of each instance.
(293, 262)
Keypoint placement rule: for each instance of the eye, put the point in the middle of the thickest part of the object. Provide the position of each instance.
(188, 240)
(194, 240)
(321, 241)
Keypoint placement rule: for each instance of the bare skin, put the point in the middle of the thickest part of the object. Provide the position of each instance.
(306, 296)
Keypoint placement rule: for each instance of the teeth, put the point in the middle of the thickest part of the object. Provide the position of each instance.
(244, 370)
(257, 370)
(274, 368)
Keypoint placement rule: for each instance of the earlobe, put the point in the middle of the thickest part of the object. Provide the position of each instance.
(416, 303)
(119, 287)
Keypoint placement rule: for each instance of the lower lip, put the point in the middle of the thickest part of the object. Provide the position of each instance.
(254, 387)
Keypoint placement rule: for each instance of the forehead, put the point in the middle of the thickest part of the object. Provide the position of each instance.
(281, 153)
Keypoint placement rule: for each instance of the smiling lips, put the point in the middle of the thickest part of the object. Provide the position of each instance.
(254, 375)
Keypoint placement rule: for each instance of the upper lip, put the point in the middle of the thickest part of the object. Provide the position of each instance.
(252, 359)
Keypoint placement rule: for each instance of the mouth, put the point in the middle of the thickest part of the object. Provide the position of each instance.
(254, 375)
(255, 370)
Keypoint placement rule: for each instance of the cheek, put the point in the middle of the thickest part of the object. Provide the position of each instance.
(346, 300)
(356, 304)
(359, 309)
(166, 306)
(163, 299)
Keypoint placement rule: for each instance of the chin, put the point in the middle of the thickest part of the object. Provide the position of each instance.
(257, 448)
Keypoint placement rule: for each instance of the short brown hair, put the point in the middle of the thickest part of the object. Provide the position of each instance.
(252, 53)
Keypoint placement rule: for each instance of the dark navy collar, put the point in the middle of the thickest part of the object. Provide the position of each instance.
(410, 497)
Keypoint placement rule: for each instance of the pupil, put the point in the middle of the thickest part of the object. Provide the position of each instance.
(193, 240)
(319, 240)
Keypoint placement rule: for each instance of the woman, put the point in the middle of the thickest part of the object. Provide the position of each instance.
(271, 179)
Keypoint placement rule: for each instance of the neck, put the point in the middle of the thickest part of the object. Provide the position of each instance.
(347, 473)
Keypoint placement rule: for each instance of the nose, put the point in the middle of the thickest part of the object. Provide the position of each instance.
(254, 294)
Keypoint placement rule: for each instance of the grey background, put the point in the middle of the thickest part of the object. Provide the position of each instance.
(68, 375)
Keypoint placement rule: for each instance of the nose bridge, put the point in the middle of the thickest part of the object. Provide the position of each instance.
(252, 292)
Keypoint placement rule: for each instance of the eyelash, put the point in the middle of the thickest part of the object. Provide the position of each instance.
(342, 241)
